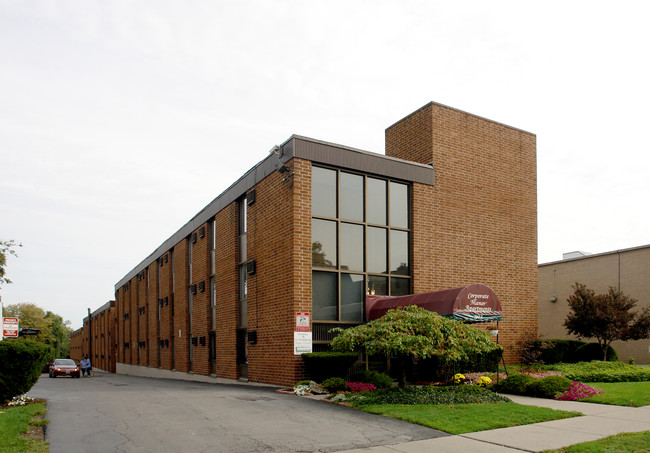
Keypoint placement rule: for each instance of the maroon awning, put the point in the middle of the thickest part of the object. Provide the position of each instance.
(472, 303)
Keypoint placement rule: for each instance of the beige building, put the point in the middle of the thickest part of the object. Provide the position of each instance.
(628, 270)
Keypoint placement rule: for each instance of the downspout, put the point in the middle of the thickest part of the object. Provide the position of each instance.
(90, 336)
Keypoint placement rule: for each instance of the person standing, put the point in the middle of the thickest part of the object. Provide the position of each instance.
(85, 366)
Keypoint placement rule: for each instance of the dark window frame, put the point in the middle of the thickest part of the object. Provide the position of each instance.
(389, 275)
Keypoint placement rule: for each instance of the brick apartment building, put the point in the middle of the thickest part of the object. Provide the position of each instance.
(626, 269)
(313, 228)
(96, 338)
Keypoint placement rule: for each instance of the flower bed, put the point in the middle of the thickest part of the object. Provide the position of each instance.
(578, 391)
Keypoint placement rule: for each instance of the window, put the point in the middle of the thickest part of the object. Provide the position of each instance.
(360, 242)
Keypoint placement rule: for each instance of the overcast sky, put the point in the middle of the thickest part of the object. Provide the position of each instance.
(120, 120)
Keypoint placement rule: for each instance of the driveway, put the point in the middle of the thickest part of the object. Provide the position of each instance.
(117, 413)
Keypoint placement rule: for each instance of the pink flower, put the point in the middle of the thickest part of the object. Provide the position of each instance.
(578, 391)
(356, 387)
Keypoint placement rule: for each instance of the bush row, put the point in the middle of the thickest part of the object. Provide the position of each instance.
(461, 394)
(568, 351)
(524, 384)
(20, 366)
(322, 365)
(603, 372)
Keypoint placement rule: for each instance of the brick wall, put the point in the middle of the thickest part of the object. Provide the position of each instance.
(152, 309)
(226, 270)
(181, 319)
(478, 223)
(200, 316)
(279, 238)
(166, 296)
(100, 328)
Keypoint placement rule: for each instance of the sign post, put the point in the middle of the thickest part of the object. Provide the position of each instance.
(10, 327)
(302, 339)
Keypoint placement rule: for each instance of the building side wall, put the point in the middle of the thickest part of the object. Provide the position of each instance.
(411, 138)
(627, 270)
(166, 308)
(76, 342)
(142, 327)
(96, 338)
(478, 223)
(200, 310)
(181, 330)
(152, 315)
(226, 288)
(272, 298)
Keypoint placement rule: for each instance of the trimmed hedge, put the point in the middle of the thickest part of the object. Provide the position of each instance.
(379, 380)
(334, 384)
(524, 384)
(571, 351)
(459, 394)
(20, 366)
(435, 370)
(549, 386)
(322, 365)
(516, 384)
(593, 351)
(559, 350)
(600, 371)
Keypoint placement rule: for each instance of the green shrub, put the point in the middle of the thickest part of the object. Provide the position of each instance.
(593, 351)
(603, 372)
(334, 384)
(321, 365)
(462, 394)
(380, 380)
(435, 369)
(303, 382)
(20, 366)
(548, 386)
(517, 384)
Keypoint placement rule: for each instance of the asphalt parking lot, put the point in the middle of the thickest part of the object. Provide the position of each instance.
(117, 413)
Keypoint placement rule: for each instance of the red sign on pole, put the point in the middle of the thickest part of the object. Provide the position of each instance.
(10, 327)
(302, 322)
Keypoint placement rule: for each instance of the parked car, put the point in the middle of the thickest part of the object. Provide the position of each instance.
(64, 367)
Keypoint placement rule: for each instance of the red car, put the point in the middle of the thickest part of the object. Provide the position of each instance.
(64, 367)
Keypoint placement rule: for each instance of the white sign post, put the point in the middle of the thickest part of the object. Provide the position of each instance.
(302, 338)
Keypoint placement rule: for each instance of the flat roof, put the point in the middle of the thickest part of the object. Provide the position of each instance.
(463, 112)
(595, 255)
(302, 148)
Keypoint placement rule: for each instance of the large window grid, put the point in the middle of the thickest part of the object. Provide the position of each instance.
(360, 242)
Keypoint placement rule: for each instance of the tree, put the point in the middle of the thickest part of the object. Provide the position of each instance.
(6, 249)
(606, 317)
(414, 331)
(55, 332)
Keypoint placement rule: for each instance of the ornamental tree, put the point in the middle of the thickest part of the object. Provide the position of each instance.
(414, 331)
(606, 317)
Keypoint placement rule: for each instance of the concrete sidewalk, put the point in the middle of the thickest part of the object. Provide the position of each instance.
(598, 421)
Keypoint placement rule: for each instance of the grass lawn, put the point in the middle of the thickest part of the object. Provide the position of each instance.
(15, 421)
(626, 442)
(467, 418)
(635, 394)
